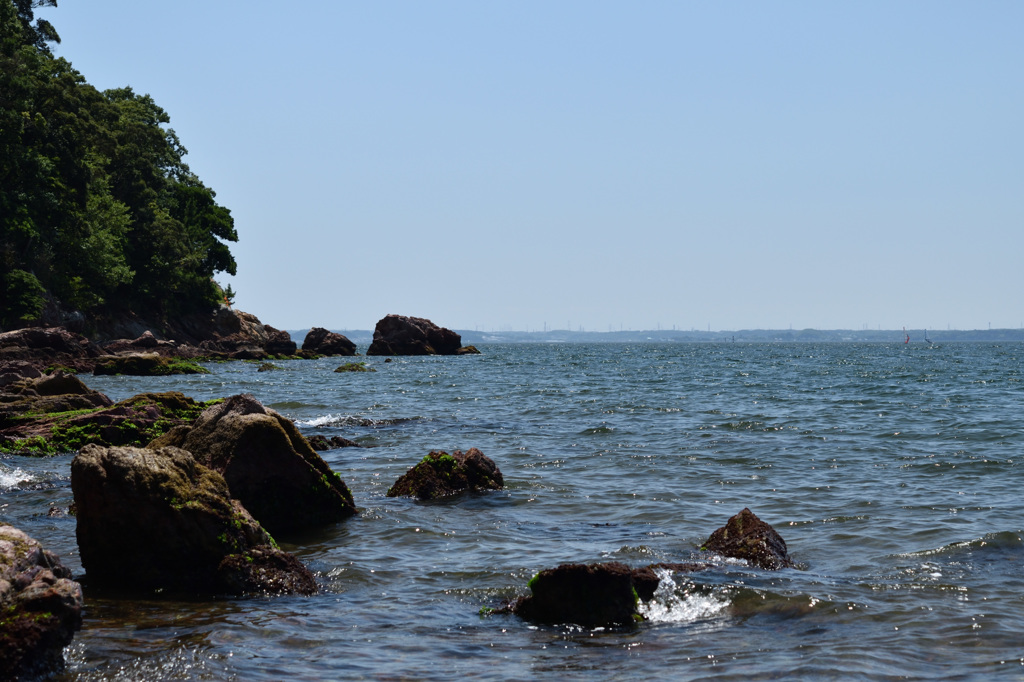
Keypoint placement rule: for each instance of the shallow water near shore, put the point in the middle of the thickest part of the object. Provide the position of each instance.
(892, 471)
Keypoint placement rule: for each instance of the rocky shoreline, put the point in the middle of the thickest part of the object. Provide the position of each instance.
(176, 496)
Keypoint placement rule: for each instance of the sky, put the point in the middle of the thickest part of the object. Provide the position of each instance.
(595, 165)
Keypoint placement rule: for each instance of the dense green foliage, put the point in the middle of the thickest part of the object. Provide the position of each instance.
(98, 211)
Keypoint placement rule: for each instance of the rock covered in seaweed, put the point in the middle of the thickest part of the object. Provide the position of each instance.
(152, 519)
(745, 536)
(268, 465)
(442, 475)
(145, 365)
(320, 341)
(401, 335)
(57, 413)
(41, 607)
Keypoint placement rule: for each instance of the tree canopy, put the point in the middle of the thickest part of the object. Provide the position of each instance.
(99, 213)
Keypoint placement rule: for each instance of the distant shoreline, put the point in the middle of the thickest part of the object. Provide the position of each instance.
(896, 336)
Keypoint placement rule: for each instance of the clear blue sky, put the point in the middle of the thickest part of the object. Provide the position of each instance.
(506, 165)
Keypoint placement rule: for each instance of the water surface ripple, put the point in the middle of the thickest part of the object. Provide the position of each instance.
(892, 472)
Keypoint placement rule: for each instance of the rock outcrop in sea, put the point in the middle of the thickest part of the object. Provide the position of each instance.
(268, 465)
(442, 475)
(41, 608)
(745, 536)
(156, 519)
(320, 341)
(401, 335)
(609, 594)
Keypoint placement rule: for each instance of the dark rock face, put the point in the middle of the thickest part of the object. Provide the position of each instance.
(279, 342)
(322, 342)
(320, 443)
(591, 595)
(441, 475)
(268, 465)
(41, 607)
(745, 536)
(157, 519)
(400, 335)
(45, 346)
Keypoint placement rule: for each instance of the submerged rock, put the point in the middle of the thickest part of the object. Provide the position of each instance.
(41, 607)
(354, 367)
(441, 475)
(154, 519)
(319, 341)
(401, 335)
(320, 442)
(268, 465)
(745, 536)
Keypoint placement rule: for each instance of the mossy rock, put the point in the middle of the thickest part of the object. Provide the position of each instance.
(146, 365)
(440, 474)
(355, 367)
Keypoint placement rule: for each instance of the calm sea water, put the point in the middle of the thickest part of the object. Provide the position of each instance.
(894, 473)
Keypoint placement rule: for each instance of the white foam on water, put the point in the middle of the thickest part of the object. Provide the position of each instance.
(11, 478)
(670, 605)
(326, 420)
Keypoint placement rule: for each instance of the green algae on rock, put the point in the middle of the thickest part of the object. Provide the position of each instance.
(440, 474)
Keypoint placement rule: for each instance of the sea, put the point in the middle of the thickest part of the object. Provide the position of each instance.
(893, 472)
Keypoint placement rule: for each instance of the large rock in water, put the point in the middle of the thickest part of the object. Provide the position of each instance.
(442, 475)
(41, 607)
(400, 335)
(591, 595)
(745, 536)
(322, 342)
(157, 519)
(268, 465)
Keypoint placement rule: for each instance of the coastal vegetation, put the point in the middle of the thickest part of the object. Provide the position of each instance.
(99, 214)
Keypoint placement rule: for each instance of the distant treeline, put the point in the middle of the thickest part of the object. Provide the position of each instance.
(99, 214)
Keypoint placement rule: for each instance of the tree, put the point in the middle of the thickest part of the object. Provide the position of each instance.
(97, 205)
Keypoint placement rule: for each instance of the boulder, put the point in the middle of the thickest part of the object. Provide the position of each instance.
(279, 342)
(41, 607)
(441, 475)
(154, 519)
(747, 537)
(319, 341)
(400, 335)
(269, 466)
(590, 595)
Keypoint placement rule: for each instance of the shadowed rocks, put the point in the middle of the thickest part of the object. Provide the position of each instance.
(268, 465)
(41, 607)
(401, 335)
(319, 341)
(609, 594)
(152, 519)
